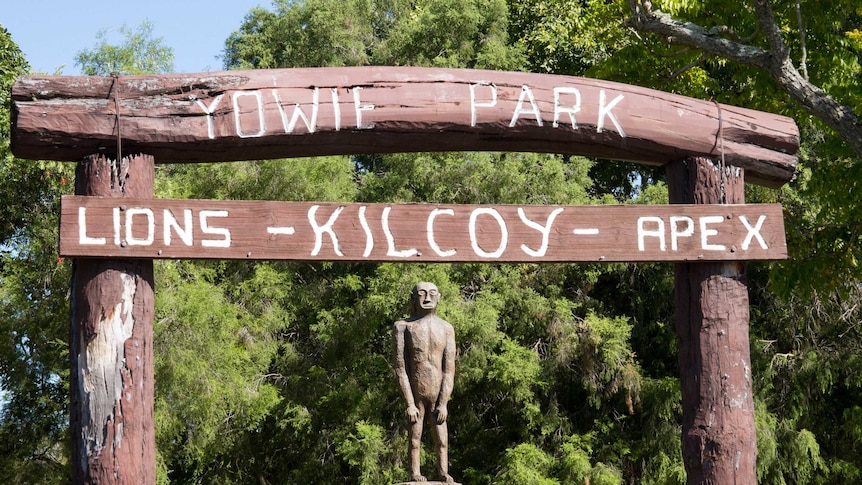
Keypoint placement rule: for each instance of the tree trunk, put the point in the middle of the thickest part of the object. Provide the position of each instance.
(111, 380)
(719, 444)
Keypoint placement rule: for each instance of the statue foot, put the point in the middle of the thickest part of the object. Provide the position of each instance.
(418, 478)
(445, 477)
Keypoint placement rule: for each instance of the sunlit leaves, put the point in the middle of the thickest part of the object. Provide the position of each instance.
(597, 351)
(475, 178)
(363, 449)
(526, 463)
(138, 53)
(441, 33)
(221, 352)
(567, 36)
(311, 33)
(279, 372)
(33, 305)
(12, 65)
(452, 33)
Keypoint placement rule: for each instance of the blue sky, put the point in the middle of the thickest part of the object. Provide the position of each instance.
(51, 32)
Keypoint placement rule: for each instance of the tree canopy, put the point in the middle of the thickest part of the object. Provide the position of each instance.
(33, 305)
(138, 53)
(279, 372)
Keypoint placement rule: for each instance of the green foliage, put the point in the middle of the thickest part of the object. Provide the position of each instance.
(824, 236)
(12, 65)
(307, 34)
(319, 179)
(796, 460)
(805, 310)
(580, 363)
(279, 372)
(33, 306)
(567, 36)
(575, 459)
(658, 451)
(451, 33)
(803, 362)
(526, 463)
(478, 178)
(363, 449)
(443, 33)
(34, 358)
(326, 333)
(222, 351)
(138, 53)
(598, 350)
(517, 369)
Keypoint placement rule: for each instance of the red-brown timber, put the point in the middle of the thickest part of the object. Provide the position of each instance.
(265, 114)
(111, 351)
(719, 443)
(212, 229)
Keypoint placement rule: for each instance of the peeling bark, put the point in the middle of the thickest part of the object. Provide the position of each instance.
(719, 443)
(111, 381)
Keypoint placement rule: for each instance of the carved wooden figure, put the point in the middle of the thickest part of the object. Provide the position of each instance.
(262, 114)
(424, 348)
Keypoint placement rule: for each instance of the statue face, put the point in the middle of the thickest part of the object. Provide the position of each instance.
(426, 296)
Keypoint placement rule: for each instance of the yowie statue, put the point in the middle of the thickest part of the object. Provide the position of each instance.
(424, 348)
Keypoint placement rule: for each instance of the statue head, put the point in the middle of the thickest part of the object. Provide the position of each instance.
(424, 298)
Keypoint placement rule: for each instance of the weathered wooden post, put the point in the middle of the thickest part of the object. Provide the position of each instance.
(111, 351)
(711, 301)
(253, 115)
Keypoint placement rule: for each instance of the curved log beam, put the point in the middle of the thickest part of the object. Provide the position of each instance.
(263, 114)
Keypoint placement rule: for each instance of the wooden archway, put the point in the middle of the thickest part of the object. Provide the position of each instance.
(708, 149)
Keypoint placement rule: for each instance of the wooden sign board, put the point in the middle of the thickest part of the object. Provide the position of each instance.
(210, 229)
(266, 114)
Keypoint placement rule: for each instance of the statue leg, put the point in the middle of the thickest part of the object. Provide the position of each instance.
(415, 437)
(441, 443)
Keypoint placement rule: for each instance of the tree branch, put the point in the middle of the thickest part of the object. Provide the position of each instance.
(804, 58)
(690, 65)
(776, 61)
(766, 23)
(686, 33)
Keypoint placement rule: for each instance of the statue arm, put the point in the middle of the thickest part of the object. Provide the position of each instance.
(401, 371)
(448, 376)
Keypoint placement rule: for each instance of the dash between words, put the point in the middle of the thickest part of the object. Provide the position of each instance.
(483, 231)
(567, 102)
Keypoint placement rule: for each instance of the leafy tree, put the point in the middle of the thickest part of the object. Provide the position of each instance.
(758, 55)
(544, 365)
(452, 33)
(34, 301)
(13, 64)
(313, 33)
(565, 36)
(137, 53)
(590, 38)
(33, 288)
(308, 34)
(781, 33)
(278, 372)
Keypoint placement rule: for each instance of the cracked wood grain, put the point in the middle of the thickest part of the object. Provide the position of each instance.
(265, 114)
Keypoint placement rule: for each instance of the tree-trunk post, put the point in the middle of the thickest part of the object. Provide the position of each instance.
(111, 353)
(719, 444)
